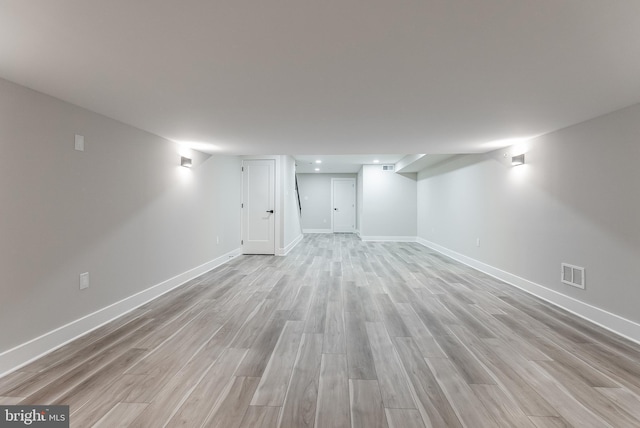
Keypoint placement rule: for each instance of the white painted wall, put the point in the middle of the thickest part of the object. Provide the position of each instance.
(123, 210)
(315, 196)
(575, 200)
(292, 228)
(388, 208)
(359, 193)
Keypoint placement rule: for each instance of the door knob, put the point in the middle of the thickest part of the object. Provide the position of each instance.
(335, 209)
(270, 211)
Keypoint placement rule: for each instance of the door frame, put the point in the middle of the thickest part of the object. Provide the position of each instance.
(277, 202)
(355, 200)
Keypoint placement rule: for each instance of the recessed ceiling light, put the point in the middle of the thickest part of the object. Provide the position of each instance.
(376, 161)
(317, 169)
(318, 161)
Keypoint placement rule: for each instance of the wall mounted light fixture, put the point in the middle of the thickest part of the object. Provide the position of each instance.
(185, 162)
(517, 160)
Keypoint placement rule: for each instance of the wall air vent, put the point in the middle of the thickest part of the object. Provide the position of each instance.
(388, 167)
(573, 275)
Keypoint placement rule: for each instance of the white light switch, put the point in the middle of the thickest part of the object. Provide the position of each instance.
(84, 280)
(79, 144)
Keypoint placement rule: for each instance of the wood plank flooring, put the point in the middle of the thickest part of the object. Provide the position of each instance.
(341, 333)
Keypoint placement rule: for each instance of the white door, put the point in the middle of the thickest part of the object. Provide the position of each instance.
(258, 204)
(343, 198)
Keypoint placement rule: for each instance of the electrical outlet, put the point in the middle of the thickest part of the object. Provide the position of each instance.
(84, 280)
(217, 239)
(79, 143)
(477, 242)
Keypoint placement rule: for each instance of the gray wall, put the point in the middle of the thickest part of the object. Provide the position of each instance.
(388, 204)
(123, 209)
(291, 219)
(359, 194)
(575, 200)
(315, 197)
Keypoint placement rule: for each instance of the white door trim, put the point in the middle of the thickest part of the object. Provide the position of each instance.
(272, 205)
(355, 198)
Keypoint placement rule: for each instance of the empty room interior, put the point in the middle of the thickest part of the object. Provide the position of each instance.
(320, 214)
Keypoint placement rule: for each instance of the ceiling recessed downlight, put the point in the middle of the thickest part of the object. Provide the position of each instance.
(376, 161)
(317, 169)
(318, 161)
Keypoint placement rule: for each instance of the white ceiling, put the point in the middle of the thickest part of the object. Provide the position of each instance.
(340, 163)
(330, 77)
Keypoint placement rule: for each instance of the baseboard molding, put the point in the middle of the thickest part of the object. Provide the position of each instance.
(388, 238)
(25, 353)
(288, 248)
(317, 231)
(610, 321)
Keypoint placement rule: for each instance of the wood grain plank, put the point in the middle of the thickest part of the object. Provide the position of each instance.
(404, 418)
(197, 406)
(421, 336)
(359, 356)
(105, 399)
(260, 417)
(390, 316)
(121, 415)
(231, 408)
(255, 362)
(334, 334)
(469, 409)
(333, 393)
(468, 365)
(367, 410)
(9, 401)
(301, 304)
(317, 313)
(566, 405)
(299, 409)
(273, 384)
(504, 410)
(623, 398)
(433, 404)
(393, 383)
(549, 422)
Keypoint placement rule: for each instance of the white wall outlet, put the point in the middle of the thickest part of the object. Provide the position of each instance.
(477, 242)
(84, 280)
(324, 220)
(217, 239)
(79, 143)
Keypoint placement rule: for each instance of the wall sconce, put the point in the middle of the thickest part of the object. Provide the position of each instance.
(517, 160)
(186, 162)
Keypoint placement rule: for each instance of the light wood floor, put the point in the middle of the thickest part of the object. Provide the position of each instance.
(341, 333)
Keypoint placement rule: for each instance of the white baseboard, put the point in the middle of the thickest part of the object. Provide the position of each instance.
(285, 251)
(317, 231)
(25, 353)
(610, 321)
(388, 238)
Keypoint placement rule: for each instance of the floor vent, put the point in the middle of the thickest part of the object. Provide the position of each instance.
(573, 275)
(388, 167)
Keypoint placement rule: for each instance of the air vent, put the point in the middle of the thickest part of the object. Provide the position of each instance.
(388, 167)
(573, 275)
